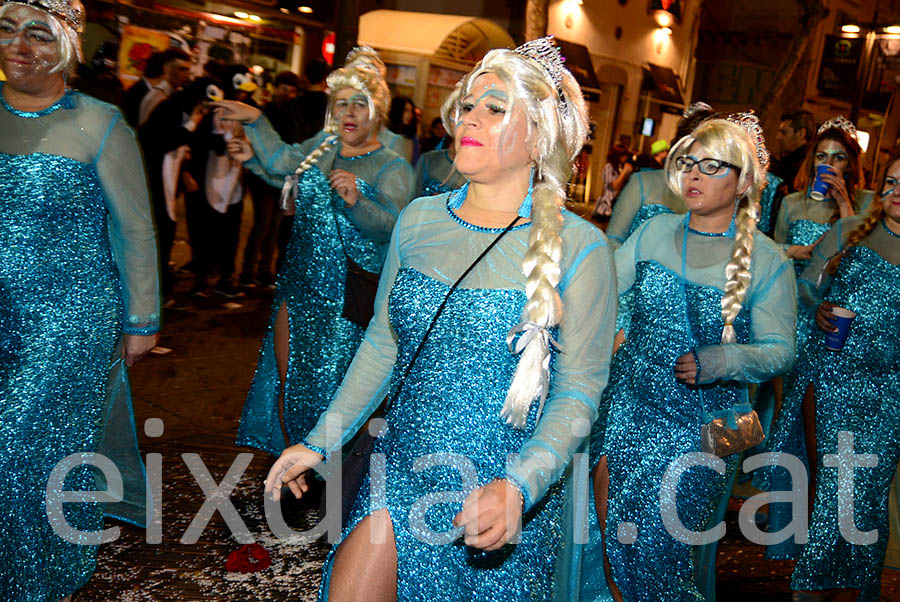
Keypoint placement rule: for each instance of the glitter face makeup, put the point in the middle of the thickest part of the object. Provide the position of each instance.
(491, 135)
(29, 51)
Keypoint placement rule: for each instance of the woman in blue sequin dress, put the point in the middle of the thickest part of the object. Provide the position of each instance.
(348, 197)
(709, 317)
(801, 223)
(852, 394)
(472, 443)
(77, 270)
(435, 173)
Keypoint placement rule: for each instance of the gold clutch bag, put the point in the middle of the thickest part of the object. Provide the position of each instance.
(717, 438)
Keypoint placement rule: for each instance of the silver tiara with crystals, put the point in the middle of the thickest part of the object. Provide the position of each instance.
(70, 12)
(547, 55)
(550, 58)
(750, 122)
(839, 122)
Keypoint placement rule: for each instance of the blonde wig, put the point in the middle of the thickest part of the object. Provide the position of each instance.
(728, 141)
(361, 77)
(68, 40)
(369, 81)
(366, 55)
(557, 129)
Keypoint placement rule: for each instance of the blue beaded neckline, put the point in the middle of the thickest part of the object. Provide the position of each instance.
(355, 157)
(729, 233)
(889, 231)
(455, 200)
(66, 101)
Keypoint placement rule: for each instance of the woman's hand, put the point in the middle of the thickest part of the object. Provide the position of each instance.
(137, 346)
(233, 110)
(824, 317)
(800, 251)
(239, 149)
(618, 340)
(491, 515)
(686, 369)
(838, 192)
(344, 183)
(290, 469)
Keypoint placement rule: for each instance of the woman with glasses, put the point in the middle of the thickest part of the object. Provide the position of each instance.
(708, 318)
(851, 396)
(79, 301)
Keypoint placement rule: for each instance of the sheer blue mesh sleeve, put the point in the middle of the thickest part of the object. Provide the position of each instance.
(378, 206)
(273, 154)
(581, 370)
(132, 236)
(626, 207)
(772, 301)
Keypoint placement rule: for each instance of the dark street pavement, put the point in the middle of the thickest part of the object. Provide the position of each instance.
(198, 389)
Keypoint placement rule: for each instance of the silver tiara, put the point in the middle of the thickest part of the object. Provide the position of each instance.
(750, 122)
(71, 12)
(839, 122)
(547, 55)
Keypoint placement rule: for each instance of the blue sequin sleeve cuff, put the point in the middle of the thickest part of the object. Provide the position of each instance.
(699, 367)
(315, 448)
(141, 325)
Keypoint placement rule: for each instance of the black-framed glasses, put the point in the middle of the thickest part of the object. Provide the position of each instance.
(707, 166)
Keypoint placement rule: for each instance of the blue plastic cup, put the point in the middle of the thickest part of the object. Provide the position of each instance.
(820, 187)
(834, 341)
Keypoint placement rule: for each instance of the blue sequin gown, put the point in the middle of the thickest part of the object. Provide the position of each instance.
(856, 390)
(801, 221)
(310, 283)
(450, 403)
(653, 419)
(77, 269)
(435, 174)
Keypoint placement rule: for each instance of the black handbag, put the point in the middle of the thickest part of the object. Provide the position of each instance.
(355, 465)
(360, 286)
(359, 293)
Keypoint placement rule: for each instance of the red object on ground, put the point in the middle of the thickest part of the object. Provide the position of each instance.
(249, 558)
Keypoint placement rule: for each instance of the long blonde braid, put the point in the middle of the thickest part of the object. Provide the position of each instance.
(289, 188)
(737, 271)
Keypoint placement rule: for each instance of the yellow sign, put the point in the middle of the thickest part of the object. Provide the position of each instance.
(138, 43)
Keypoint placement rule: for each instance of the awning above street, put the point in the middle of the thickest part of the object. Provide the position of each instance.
(665, 84)
(452, 37)
(578, 61)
